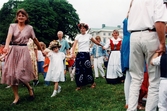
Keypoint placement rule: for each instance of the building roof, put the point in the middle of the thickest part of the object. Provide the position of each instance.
(104, 28)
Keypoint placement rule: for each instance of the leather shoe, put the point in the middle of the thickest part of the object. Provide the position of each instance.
(12, 104)
(31, 97)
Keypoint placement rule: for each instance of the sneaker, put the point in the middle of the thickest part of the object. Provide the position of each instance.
(59, 89)
(7, 87)
(54, 93)
(35, 82)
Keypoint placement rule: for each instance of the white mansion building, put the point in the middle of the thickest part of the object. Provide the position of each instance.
(105, 32)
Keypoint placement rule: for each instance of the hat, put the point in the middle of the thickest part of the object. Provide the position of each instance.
(54, 44)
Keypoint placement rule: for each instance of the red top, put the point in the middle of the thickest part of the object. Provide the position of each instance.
(47, 61)
(115, 46)
(70, 62)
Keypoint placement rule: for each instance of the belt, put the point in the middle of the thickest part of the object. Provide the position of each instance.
(150, 30)
(19, 44)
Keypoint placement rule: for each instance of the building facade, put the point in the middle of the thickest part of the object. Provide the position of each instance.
(105, 32)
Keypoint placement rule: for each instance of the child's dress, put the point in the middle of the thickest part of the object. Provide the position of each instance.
(56, 67)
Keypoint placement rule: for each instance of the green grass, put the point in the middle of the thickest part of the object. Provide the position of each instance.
(104, 97)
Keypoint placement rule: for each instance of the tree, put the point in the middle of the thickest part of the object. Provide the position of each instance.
(46, 16)
(7, 15)
(68, 18)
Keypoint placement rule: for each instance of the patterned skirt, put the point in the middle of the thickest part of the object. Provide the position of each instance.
(83, 72)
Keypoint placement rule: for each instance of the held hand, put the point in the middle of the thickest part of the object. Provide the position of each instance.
(103, 48)
(6, 49)
(73, 55)
(161, 49)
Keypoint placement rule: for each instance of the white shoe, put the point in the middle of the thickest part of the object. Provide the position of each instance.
(59, 89)
(54, 93)
(7, 87)
(72, 79)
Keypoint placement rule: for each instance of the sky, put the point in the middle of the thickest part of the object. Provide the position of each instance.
(98, 12)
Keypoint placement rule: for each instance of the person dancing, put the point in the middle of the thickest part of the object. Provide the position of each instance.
(18, 66)
(83, 72)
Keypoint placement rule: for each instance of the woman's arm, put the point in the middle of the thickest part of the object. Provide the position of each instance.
(73, 48)
(95, 41)
(37, 43)
(8, 39)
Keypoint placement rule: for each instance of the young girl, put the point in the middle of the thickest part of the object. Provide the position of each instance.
(161, 62)
(83, 72)
(56, 67)
(46, 64)
(70, 61)
(98, 53)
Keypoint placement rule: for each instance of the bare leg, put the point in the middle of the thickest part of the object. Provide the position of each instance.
(30, 89)
(16, 95)
(56, 86)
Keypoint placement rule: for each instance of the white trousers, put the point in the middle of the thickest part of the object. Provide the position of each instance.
(98, 62)
(127, 86)
(142, 47)
(71, 72)
(162, 103)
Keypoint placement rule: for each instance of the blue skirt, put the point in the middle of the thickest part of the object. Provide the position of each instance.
(83, 72)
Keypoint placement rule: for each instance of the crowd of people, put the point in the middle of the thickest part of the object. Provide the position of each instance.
(136, 60)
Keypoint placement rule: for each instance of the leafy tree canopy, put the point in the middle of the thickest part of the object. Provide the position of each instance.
(46, 16)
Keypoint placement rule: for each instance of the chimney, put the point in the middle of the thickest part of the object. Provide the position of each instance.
(103, 25)
(119, 26)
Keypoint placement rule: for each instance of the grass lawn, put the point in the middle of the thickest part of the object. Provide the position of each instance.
(104, 97)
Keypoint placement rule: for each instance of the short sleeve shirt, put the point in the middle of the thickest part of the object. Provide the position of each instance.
(64, 46)
(83, 42)
(21, 37)
(144, 13)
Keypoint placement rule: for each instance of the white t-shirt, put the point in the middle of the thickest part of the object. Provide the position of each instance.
(40, 56)
(83, 42)
(144, 13)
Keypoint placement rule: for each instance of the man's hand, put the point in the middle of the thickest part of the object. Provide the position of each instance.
(161, 49)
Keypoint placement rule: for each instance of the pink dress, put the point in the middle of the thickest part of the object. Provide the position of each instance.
(18, 66)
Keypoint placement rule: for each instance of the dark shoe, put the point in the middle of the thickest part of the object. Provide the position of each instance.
(31, 97)
(12, 104)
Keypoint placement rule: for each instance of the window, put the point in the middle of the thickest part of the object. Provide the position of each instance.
(104, 33)
(109, 34)
(104, 40)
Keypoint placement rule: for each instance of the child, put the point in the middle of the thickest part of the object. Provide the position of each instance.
(98, 53)
(56, 67)
(46, 64)
(40, 63)
(31, 46)
(161, 60)
(2, 60)
(70, 61)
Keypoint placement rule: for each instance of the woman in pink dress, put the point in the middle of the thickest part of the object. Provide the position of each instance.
(18, 67)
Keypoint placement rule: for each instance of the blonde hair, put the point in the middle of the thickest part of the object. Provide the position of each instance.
(47, 50)
(98, 37)
(43, 45)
